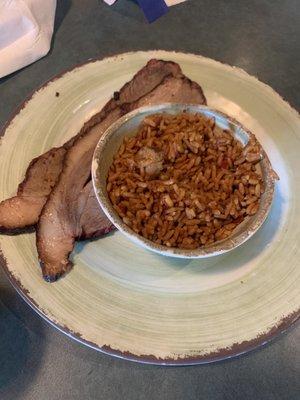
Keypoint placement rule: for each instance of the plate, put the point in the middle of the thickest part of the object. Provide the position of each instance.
(132, 303)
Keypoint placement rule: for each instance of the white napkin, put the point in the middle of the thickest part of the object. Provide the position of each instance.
(26, 28)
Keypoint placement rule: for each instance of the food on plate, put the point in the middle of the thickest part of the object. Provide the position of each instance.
(59, 226)
(23, 210)
(57, 195)
(183, 182)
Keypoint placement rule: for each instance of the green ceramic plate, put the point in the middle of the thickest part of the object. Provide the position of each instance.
(135, 304)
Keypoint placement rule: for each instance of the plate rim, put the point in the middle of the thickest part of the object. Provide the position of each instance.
(237, 349)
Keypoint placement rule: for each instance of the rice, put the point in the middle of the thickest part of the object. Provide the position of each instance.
(184, 182)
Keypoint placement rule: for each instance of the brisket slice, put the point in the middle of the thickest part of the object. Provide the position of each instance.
(23, 210)
(93, 222)
(60, 221)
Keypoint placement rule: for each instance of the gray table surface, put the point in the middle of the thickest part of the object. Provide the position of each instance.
(37, 361)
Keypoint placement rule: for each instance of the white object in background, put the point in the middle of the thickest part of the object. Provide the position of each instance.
(26, 28)
(173, 2)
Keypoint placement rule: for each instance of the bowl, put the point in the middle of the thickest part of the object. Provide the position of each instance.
(112, 139)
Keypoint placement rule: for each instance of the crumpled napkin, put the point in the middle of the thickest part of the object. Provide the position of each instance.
(26, 28)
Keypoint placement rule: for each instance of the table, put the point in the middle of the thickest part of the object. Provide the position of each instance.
(37, 361)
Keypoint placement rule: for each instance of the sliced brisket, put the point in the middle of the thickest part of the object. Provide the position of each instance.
(24, 209)
(93, 222)
(60, 221)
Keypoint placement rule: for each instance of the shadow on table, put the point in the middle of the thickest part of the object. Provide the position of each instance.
(62, 9)
(129, 9)
(20, 348)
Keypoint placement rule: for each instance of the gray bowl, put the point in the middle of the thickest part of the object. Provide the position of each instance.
(109, 144)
